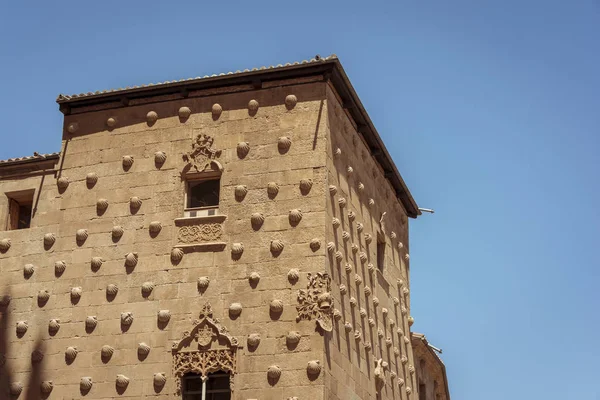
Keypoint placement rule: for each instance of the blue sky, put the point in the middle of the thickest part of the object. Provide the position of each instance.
(491, 111)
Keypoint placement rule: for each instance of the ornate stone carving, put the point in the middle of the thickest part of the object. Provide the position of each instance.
(272, 189)
(155, 227)
(371, 322)
(37, 356)
(184, 112)
(91, 179)
(375, 301)
(28, 270)
(348, 327)
(290, 101)
(331, 247)
(343, 289)
(346, 236)
(408, 390)
(59, 267)
(106, 352)
(367, 291)
(159, 379)
(235, 309)
(332, 190)
(274, 373)
(350, 170)
(135, 202)
(293, 337)
(339, 256)
(342, 202)
(242, 149)
(361, 186)
(313, 368)
(76, 293)
(305, 185)
(411, 320)
(335, 222)
(359, 227)
(276, 306)
(112, 289)
(131, 259)
(49, 239)
(15, 388)
(101, 205)
(337, 315)
(257, 220)
(85, 383)
(203, 283)
(43, 296)
(160, 157)
(348, 268)
(71, 354)
(371, 268)
(337, 152)
(122, 381)
(358, 279)
(295, 216)
(253, 340)
(22, 327)
(207, 232)
(284, 143)
(126, 318)
(354, 248)
(164, 316)
(315, 244)
(237, 249)
(351, 216)
(357, 335)
(216, 110)
(143, 349)
(293, 275)
(363, 312)
(379, 375)
(127, 162)
(367, 345)
(202, 154)
(46, 387)
(62, 183)
(368, 238)
(117, 231)
(4, 245)
(240, 192)
(111, 122)
(276, 246)
(363, 257)
(253, 106)
(353, 301)
(176, 254)
(91, 322)
(315, 302)
(207, 348)
(254, 278)
(151, 117)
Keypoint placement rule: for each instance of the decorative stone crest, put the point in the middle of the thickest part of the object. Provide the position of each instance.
(207, 348)
(316, 302)
(202, 154)
(207, 232)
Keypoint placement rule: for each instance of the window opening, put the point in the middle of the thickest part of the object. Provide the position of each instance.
(380, 255)
(202, 197)
(20, 205)
(214, 386)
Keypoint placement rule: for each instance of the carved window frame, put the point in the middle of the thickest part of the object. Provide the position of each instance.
(197, 177)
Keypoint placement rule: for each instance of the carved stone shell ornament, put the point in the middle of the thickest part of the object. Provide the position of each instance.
(160, 157)
(107, 351)
(49, 240)
(91, 179)
(274, 372)
(122, 381)
(257, 219)
(367, 345)
(407, 256)
(22, 327)
(348, 327)
(353, 302)
(342, 202)
(351, 216)
(117, 231)
(295, 216)
(135, 202)
(330, 247)
(358, 279)
(91, 322)
(184, 112)
(127, 161)
(370, 268)
(405, 291)
(408, 390)
(396, 351)
(102, 204)
(96, 262)
(28, 270)
(293, 275)
(85, 383)
(143, 349)
(159, 380)
(403, 360)
(164, 316)
(290, 101)
(5, 301)
(354, 248)
(76, 293)
(348, 268)
(361, 186)
(151, 117)
(384, 311)
(240, 192)
(176, 254)
(216, 110)
(276, 306)
(305, 185)
(46, 387)
(343, 289)
(350, 170)
(393, 235)
(293, 337)
(71, 353)
(363, 312)
(363, 257)
(411, 321)
(335, 222)
(313, 367)
(237, 248)
(371, 322)
(400, 245)
(253, 340)
(337, 152)
(277, 246)
(346, 236)
(284, 143)
(389, 342)
(315, 244)
(43, 296)
(371, 202)
(127, 318)
(4, 245)
(357, 335)
(368, 238)
(147, 288)
(403, 310)
(253, 106)
(81, 235)
(337, 315)
(367, 291)
(380, 333)
(155, 227)
(131, 259)
(359, 227)
(332, 190)
(15, 388)
(254, 278)
(339, 256)
(203, 283)
(235, 309)
(62, 183)
(243, 148)
(272, 189)
(392, 323)
(59, 267)
(112, 289)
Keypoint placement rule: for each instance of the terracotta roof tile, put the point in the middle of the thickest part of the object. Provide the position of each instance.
(65, 97)
(34, 157)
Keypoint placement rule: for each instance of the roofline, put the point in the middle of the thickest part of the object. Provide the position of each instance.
(30, 160)
(420, 336)
(329, 67)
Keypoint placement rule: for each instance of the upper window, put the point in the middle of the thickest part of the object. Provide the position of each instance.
(216, 387)
(380, 251)
(20, 206)
(202, 197)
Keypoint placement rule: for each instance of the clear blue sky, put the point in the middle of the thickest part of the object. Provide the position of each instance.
(491, 110)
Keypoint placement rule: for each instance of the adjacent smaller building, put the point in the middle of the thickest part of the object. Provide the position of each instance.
(431, 372)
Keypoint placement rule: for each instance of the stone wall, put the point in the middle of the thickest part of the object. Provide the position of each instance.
(372, 324)
(107, 275)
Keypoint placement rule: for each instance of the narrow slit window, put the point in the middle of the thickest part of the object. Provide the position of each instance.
(20, 207)
(380, 255)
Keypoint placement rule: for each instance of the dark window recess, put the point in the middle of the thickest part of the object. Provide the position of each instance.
(203, 194)
(19, 210)
(217, 387)
(422, 392)
(380, 255)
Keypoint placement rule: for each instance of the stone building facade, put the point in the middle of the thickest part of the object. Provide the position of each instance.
(241, 236)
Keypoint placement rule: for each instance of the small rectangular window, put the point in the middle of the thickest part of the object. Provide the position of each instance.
(20, 205)
(202, 197)
(380, 255)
